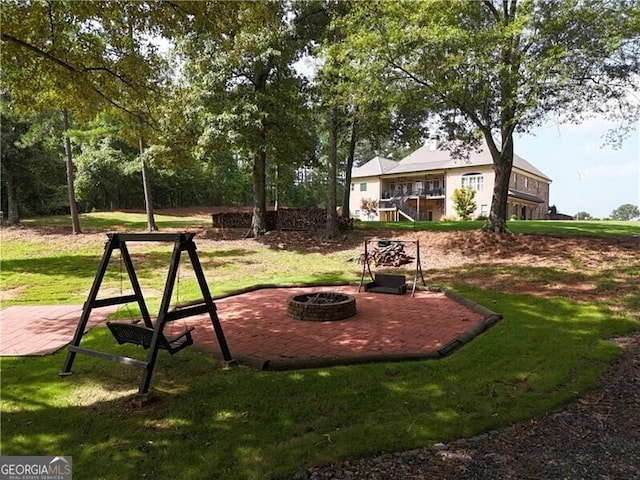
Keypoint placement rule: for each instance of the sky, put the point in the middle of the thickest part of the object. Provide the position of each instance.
(587, 175)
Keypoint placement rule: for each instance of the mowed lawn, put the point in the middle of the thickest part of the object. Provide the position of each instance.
(551, 346)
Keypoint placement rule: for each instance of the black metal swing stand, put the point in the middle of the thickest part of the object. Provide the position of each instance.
(385, 283)
(150, 336)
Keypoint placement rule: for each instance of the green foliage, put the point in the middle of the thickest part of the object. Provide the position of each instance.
(464, 202)
(242, 91)
(583, 216)
(625, 212)
(32, 165)
(369, 206)
(84, 55)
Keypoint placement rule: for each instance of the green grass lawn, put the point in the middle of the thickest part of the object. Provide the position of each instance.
(246, 424)
(117, 220)
(547, 227)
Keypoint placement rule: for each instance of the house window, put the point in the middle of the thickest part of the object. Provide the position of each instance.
(484, 210)
(363, 187)
(473, 180)
(526, 182)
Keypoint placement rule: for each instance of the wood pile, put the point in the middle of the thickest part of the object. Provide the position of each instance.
(391, 255)
(240, 219)
(301, 219)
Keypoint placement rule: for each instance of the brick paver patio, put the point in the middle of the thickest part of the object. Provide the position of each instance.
(259, 332)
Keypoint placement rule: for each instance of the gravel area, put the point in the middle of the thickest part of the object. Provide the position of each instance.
(596, 437)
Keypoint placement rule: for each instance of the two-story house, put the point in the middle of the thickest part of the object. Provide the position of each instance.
(421, 185)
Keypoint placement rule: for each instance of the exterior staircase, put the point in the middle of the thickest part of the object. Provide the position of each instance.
(405, 210)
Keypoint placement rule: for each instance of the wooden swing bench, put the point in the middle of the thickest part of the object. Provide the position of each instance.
(143, 336)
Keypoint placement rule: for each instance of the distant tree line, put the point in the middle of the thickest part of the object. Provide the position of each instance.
(624, 213)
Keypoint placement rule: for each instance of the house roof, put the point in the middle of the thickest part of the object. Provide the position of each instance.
(428, 158)
(374, 167)
(525, 196)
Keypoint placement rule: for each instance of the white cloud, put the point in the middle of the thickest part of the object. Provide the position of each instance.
(598, 149)
(626, 169)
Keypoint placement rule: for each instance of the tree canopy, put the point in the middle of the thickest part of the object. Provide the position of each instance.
(626, 212)
(390, 73)
(482, 71)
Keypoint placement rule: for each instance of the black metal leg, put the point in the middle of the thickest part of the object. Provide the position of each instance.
(135, 285)
(88, 306)
(206, 296)
(152, 356)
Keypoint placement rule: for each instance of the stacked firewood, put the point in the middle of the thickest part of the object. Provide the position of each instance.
(391, 255)
(301, 219)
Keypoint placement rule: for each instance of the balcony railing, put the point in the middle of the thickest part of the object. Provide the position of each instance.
(421, 192)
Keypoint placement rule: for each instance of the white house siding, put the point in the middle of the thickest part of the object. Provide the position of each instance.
(528, 188)
(453, 180)
(356, 197)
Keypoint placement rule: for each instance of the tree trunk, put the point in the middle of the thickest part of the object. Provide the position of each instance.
(276, 190)
(73, 205)
(146, 185)
(259, 218)
(13, 216)
(346, 197)
(332, 160)
(502, 165)
(503, 156)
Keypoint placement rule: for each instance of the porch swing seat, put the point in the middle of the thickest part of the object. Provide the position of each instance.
(143, 336)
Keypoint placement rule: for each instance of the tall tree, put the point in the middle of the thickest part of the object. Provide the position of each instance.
(239, 60)
(485, 70)
(360, 110)
(73, 206)
(12, 158)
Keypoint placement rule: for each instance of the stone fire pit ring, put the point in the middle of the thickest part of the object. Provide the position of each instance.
(321, 306)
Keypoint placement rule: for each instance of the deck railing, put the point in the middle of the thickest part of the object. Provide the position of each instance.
(421, 192)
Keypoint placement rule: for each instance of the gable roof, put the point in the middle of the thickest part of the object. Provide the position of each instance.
(428, 158)
(374, 167)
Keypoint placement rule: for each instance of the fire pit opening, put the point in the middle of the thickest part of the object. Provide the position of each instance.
(321, 306)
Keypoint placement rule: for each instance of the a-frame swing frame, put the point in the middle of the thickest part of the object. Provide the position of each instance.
(181, 242)
(366, 261)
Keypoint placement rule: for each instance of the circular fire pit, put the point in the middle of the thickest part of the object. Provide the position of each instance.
(321, 306)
